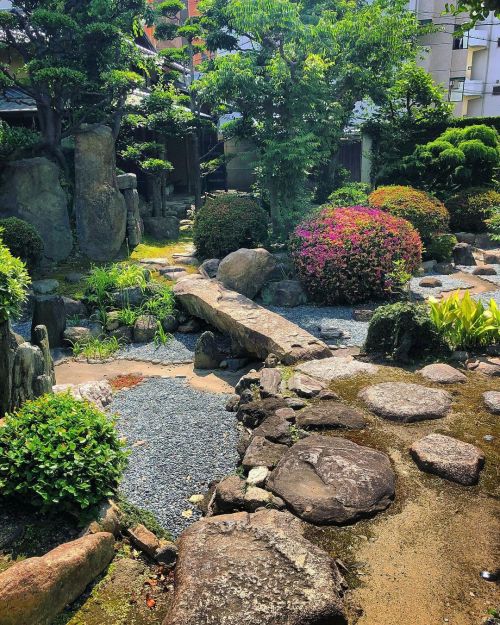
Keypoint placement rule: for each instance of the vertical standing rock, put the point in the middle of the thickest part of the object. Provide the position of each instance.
(7, 351)
(40, 338)
(101, 214)
(49, 311)
(127, 183)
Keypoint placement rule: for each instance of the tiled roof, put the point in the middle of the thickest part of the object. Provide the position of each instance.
(13, 100)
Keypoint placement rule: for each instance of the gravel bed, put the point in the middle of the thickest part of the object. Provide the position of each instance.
(449, 283)
(310, 318)
(493, 279)
(486, 297)
(186, 440)
(178, 350)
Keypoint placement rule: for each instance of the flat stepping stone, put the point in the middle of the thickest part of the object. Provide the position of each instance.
(492, 401)
(484, 270)
(304, 385)
(448, 458)
(154, 261)
(331, 415)
(430, 283)
(327, 480)
(335, 368)
(443, 374)
(405, 402)
(253, 569)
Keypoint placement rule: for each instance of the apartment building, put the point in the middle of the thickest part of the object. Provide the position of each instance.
(467, 67)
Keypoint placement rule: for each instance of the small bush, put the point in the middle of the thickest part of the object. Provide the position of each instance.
(15, 141)
(403, 331)
(161, 303)
(352, 194)
(14, 281)
(96, 348)
(348, 254)
(440, 247)
(58, 452)
(103, 281)
(493, 224)
(23, 240)
(470, 209)
(426, 213)
(228, 222)
(464, 322)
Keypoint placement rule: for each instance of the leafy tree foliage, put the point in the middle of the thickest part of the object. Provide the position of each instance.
(294, 75)
(75, 60)
(477, 10)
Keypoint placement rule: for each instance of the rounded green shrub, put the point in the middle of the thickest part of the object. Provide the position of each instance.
(228, 222)
(23, 240)
(427, 214)
(60, 453)
(438, 146)
(352, 194)
(440, 247)
(483, 133)
(451, 158)
(470, 208)
(403, 331)
(14, 281)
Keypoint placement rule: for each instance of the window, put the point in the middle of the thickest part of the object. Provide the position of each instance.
(456, 89)
(426, 23)
(496, 90)
(458, 43)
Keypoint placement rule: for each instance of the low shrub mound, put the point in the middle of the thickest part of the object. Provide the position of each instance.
(440, 247)
(426, 213)
(60, 453)
(352, 194)
(226, 223)
(349, 254)
(403, 331)
(23, 240)
(471, 208)
(14, 281)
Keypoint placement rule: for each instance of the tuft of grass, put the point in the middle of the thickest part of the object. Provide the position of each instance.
(128, 316)
(96, 348)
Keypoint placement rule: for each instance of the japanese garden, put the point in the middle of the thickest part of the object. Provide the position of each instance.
(249, 312)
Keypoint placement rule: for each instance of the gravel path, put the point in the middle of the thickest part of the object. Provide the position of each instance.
(493, 279)
(449, 283)
(178, 350)
(180, 439)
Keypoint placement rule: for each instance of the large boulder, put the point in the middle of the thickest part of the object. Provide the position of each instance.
(327, 480)
(207, 354)
(30, 189)
(287, 293)
(246, 271)
(162, 227)
(462, 254)
(258, 331)
(254, 569)
(100, 209)
(49, 311)
(36, 590)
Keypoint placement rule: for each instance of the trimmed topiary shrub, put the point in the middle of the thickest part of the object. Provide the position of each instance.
(59, 452)
(423, 211)
(351, 194)
(470, 209)
(23, 240)
(440, 247)
(349, 254)
(14, 281)
(226, 223)
(403, 331)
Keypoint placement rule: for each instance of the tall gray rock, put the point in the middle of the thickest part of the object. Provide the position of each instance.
(30, 189)
(100, 208)
(127, 183)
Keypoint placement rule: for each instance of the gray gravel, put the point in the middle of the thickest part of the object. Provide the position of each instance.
(178, 350)
(187, 439)
(493, 279)
(310, 318)
(449, 283)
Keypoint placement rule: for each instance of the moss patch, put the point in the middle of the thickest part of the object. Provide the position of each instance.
(165, 249)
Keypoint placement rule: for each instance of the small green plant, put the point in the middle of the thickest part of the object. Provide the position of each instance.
(161, 337)
(14, 281)
(103, 281)
(96, 348)
(127, 316)
(465, 322)
(440, 247)
(493, 224)
(23, 240)
(161, 304)
(15, 140)
(351, 194)
(60, 453)
(294, 433)
(398, 281)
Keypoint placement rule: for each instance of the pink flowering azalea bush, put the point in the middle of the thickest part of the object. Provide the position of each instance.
(348, 254)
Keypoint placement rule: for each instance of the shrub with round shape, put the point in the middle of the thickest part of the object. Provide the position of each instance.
(440, 247)
(227, 222)
(351, 194)
(348, 254)
(23, 240)
(14, 281)
(470, 208)
(423, 211)
(60, 453)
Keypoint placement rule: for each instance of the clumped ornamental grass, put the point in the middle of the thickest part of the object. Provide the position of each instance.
(349, 254)
(59, 453)
(102, 281)
(96, 348)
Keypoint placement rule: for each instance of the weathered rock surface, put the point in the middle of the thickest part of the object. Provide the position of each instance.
(246, 271)
(484, 270)
(209, 267)
(492, 401)
(449, 458)
(97, 392)
(76, 333)
(405, 403)
(207, 354)
(257, 330)
(34, 591)
(144, 539)
(331, 415)
(462, 254)
(288, 293)
(327, 480)
(336, 368)
(262, 572)
(275, 429)
(162, 227)
(74, 308)
(127, 183)
(270, 380)
(145, 328)
(230, 494)
(430, 282)
(304, 385)
(253, 413)
(262, 453)
(30, 189)
(443, 374)
(257, 476)
(100, 209)
(49, 311)
(45, 287)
